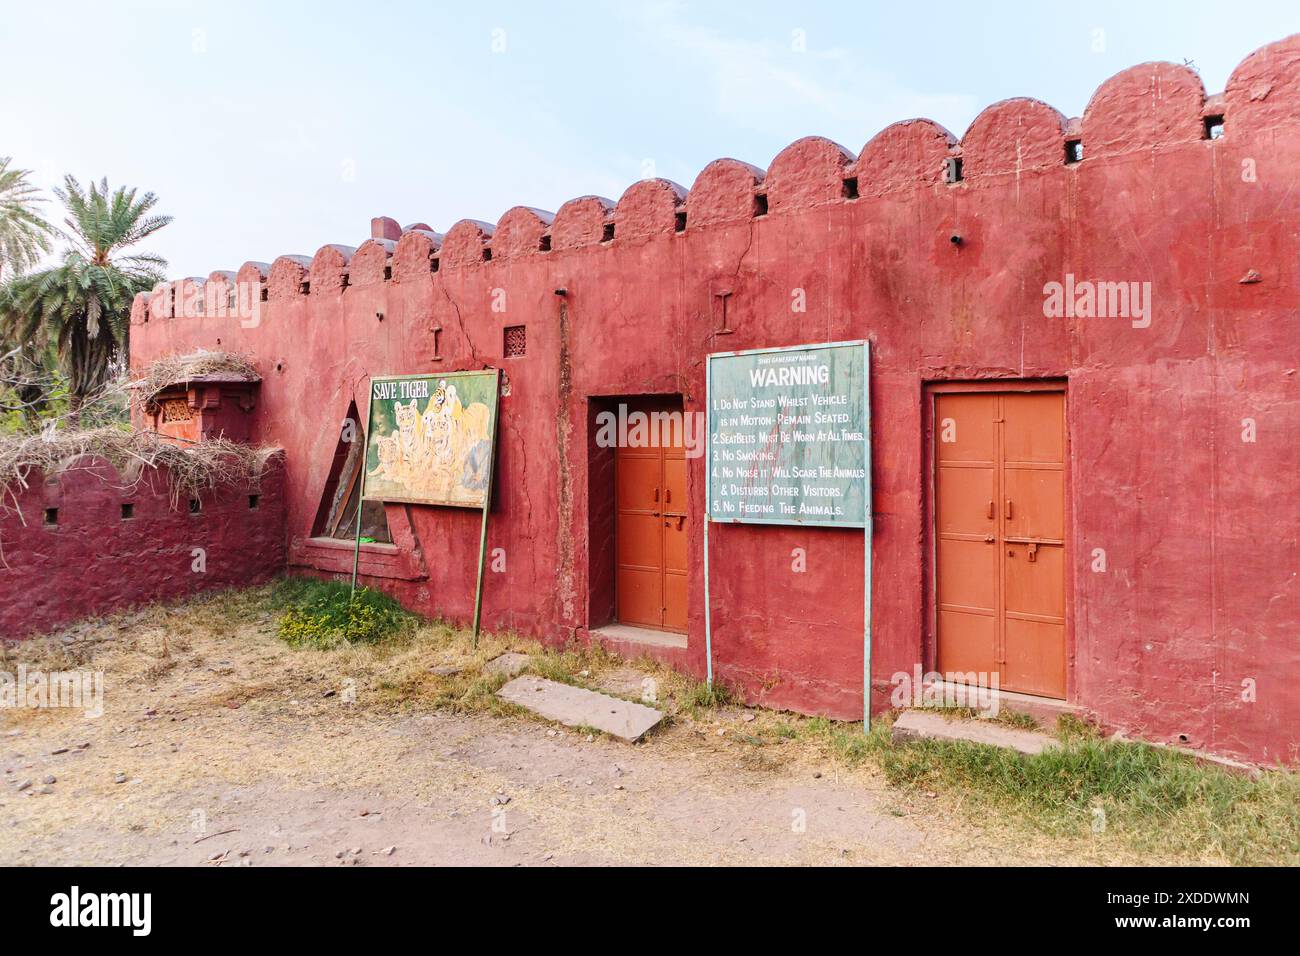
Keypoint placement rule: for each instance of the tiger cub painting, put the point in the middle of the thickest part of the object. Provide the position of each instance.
(441, 453)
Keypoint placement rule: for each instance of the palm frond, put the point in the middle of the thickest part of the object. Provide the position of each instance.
(82, 306)
(24, 233)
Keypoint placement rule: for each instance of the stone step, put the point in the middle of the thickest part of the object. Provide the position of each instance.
(927, 725)
(576, 707)
(1045, 710)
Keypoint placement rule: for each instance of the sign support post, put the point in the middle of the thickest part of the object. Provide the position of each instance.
(487, 507)
(708, 622)
(867, 542)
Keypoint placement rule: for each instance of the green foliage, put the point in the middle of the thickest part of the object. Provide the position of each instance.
(698, 695)
(34, 392)
(1155, 797)
(324, 614)
(81, 307)
(24, 235)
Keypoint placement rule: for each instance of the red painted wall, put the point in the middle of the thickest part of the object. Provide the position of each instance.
(1199, 527)
(93, 561)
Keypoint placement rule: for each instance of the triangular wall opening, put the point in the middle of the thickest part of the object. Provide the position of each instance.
(336, 515)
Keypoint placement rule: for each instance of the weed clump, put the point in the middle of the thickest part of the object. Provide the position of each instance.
(325, 614)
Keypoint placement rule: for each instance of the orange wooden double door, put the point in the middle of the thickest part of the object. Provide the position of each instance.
(1000, 536)
(651, 531)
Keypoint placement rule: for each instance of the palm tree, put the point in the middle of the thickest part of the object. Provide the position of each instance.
(24, 235)
(82, 306)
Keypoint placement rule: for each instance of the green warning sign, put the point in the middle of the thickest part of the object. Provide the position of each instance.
(789, 435)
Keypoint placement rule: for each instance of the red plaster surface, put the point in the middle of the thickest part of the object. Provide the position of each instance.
(1199, 528)
(93, 561)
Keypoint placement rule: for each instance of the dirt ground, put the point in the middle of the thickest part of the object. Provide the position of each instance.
(222, 746)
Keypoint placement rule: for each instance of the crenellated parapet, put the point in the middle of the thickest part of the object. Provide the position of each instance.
(522, 231)
(1141, 109)
(329, 268)
(1146, 106)
(466, 243)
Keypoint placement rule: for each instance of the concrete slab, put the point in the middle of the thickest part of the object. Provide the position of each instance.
(920, 725)
(576, 707)
(510, 664)
(626, 634)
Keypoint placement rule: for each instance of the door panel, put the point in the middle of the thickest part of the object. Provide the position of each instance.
(1000, 536)
(969, 641)
(1035, 658)
(1035, 496)
(638, 536)
(966, 494)
(638, 597)
(652, 532)
(639, 540)
(638, 480)
(1034, 426)
(965, 428)
(1033, 580)
(675, 602)
(967, 500)
(968, 575)
(674, 481)
(676, 535)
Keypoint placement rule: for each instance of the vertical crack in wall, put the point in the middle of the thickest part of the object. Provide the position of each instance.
(460, 322)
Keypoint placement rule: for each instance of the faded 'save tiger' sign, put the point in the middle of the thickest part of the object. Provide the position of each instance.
(430, 438)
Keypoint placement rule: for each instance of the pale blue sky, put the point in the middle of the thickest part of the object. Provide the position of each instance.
(278, 127)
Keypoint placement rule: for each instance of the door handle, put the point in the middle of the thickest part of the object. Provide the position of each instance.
(1031, 550)
(668, 496)
(990, 511)
(656, 493)
(1007, 511)
(680, 519)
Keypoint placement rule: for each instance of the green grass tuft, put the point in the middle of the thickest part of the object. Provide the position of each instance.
(1155, 798)
(698, 695)
(324, 614)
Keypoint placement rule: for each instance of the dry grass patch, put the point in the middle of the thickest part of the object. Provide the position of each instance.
(218, 674)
